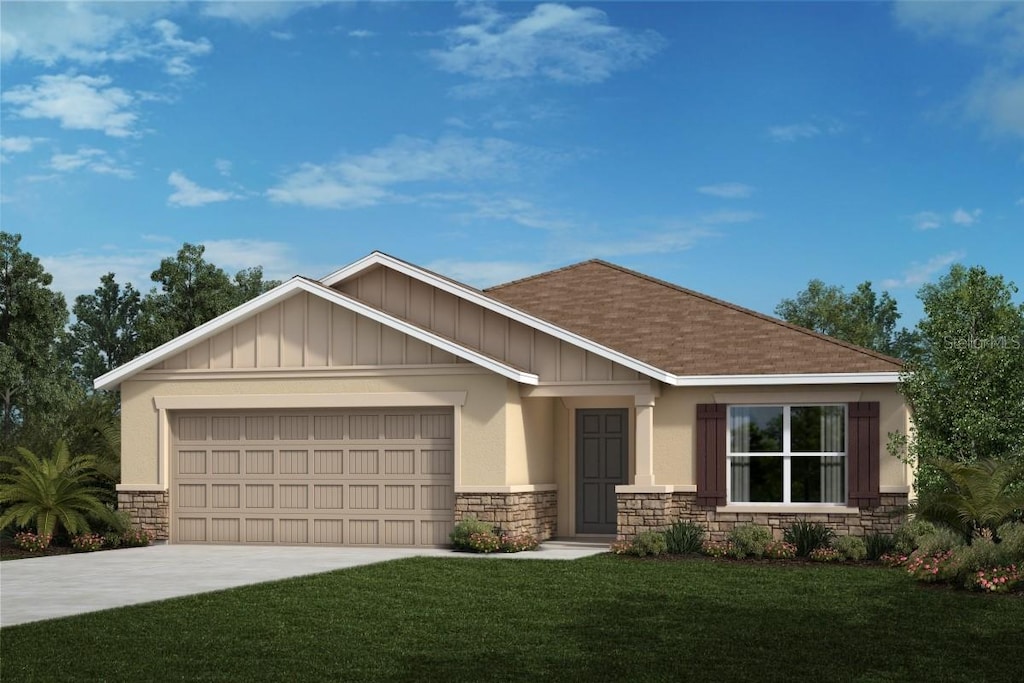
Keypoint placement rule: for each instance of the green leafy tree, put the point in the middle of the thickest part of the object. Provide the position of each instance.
(53, 493)
(249, 284)
(105, 333)
(860, 317)
(35, 385)
(966, 388)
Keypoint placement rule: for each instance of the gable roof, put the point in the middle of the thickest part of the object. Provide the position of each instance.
(684, 332)
(285, 290)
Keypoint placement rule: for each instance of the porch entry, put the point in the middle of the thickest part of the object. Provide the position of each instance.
(602, 459)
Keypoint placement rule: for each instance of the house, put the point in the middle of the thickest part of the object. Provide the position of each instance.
(384, 402)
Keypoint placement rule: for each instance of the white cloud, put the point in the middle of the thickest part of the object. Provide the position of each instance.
(282, 35)
(188, 193)
(17, 145)
(89, 159)
(966, 218)
(803, 131)
(77, 102)
(726, 217)
(223, 166)
(997, 100)
(553, 42)
(919, 273)
(513, 209)
(96, 33)
(361, 33)
(930, 220)
(365, 180)
(727, 190)
(254, 12)
(277, 258)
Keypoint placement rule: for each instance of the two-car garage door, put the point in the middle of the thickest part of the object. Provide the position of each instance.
(331, 477)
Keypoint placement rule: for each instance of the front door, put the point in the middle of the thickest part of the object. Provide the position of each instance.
(602, 456)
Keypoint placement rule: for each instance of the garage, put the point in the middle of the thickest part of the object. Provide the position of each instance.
(325, 477)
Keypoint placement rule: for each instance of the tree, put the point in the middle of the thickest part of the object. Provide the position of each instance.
(105, 333)
(35, 384)
(249, 284)
(52, 493)
(966, 388)
(860, 317)
(192, 291)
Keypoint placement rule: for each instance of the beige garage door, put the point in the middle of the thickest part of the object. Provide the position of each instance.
(340, 477)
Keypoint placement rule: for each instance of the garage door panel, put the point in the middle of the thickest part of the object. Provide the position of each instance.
(354, 477)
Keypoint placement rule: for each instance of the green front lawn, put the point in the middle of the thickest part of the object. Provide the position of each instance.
(599, 619)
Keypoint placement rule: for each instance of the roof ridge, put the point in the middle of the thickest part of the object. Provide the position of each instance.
(748, 311)
(542, 274)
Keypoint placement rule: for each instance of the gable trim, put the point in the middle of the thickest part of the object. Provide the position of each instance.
(208, 329)
(480, 299)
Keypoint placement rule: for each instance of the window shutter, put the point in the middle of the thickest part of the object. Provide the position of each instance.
(711, 461)
(862, 458)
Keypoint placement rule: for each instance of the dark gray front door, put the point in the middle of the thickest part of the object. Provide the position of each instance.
(602, 452)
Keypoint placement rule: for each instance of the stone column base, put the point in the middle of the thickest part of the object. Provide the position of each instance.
(534, 512)
(148, 511)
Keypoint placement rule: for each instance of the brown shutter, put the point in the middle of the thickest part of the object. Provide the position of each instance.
(862, 459)
(711, 463)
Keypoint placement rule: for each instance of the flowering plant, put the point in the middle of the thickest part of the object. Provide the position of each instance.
(825, 554)
(135, 538)
(997, 579)
(621, 547)
(893, 559)
(26, 540)
(514, 543)
(87, 543)
(484, 542)
(935, 567)
(780, 550)
(716, 548)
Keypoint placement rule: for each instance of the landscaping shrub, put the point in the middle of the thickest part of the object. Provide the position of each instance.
(716, 548)
(825, 554)
(878, 545)
(134, 538)
(851, 547)
(997, 579)
(941, 539)
(807, 536)
(649, 543)
(780, 550)
(932, 567)
(483, 542)
(1011, 535)
(908, 536)
(465, 528)
(684, 537)
(87, 543)
(26, 540)
(514, 543)
(749, 540)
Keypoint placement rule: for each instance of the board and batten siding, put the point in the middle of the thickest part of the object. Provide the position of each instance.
(552, 359)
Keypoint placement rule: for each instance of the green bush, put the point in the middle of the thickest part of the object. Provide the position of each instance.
(825, 554)
(749, 540)
(465, 529)
(684, 537)
(1011, 535)
(851, 547)
(807, 536)
(878, 545)
(908, 536)
(938, 541)
(649, 543)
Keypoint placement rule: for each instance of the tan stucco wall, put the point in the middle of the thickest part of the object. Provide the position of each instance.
(675, 438)
(483, 435)
(530, 439)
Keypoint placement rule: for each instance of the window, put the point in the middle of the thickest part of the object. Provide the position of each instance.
(787, 454)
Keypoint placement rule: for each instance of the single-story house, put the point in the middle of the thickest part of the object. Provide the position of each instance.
(384, 402)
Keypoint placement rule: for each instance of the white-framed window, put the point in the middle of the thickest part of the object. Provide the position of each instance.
(787, 454)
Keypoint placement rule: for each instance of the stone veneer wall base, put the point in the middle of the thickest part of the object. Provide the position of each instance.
(534, 512)
(148, 511)
(639, 512)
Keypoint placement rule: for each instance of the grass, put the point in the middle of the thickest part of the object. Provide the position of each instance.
(599, 619)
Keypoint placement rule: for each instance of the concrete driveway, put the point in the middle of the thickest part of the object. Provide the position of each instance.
(62, 585)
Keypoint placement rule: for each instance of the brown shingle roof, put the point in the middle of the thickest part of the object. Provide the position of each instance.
(679, 330)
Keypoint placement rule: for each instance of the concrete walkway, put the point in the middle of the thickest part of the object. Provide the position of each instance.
(62, 585)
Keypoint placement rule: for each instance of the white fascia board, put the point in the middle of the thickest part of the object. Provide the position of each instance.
(274, 296)
(791, 379)
(377, 258)
(207, 329)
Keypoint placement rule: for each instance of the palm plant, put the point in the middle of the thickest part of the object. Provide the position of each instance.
(979, 496)
(55, 492)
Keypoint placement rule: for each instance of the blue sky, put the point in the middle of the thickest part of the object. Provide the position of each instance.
(737, 149)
